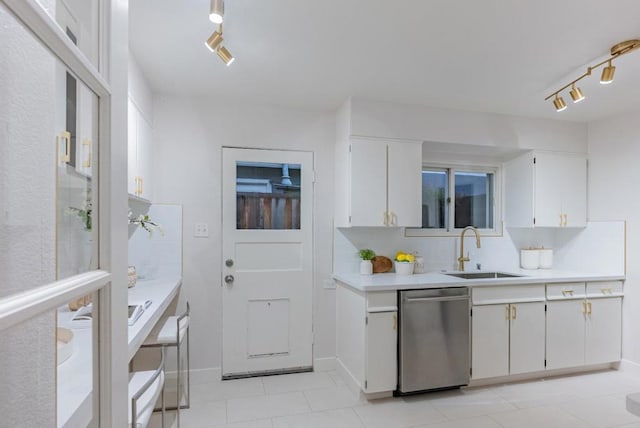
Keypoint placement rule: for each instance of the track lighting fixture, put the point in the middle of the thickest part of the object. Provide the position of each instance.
(217, 11)
(576, 94)
(606, 78)
(214, 40)
(607, 74)
(559, 103)
(225, 55)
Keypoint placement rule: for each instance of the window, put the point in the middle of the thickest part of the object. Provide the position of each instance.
(456, 197)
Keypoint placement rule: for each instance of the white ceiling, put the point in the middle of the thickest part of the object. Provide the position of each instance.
(500, 56)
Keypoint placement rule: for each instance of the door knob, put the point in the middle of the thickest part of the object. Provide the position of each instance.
(228, 262)
(228, 279)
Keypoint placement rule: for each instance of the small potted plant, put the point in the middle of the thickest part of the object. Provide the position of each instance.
(404, 263)
(366, 267)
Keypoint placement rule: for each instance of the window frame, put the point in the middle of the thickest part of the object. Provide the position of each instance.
(451, 168)
(20, 307)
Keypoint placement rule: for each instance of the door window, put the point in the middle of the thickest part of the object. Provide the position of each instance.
(267, 195)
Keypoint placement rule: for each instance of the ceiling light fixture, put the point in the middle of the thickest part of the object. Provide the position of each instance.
(576, 94)
(606, 78)
(216, 13)
(559, 103)
(214, 40)
(607, 74)
(225, 55)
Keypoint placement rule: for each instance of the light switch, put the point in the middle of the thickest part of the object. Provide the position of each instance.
(201, 230)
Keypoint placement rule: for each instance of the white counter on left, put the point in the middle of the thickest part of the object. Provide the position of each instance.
(75, 376)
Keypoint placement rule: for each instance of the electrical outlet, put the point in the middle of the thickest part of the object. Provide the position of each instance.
(201, 230)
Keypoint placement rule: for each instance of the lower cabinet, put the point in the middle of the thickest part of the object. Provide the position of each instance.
(507, 339)
(367, 338)
(584, 324)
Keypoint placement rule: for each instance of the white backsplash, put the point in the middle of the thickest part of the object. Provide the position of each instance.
(598, 248)
(157, 255)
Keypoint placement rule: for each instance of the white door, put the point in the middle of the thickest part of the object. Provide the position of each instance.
(526, 350)
(603, 338)
(490, 341)
(267, 198)
(565, 333)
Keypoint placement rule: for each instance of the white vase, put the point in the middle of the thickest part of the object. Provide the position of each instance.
(366, 267)
(404, 268)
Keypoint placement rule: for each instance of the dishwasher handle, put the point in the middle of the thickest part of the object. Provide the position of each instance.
(435, 299)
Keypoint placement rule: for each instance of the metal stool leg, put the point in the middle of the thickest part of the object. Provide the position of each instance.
(178, 382)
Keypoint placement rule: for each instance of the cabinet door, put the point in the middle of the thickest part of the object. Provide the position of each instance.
(404, 177)
(132, 154)
(381, 352)
(368, 183)
(490, 341)
(145, 157)
(574, 185)
(603, 334)
(549, 180)
(526, 350)
(565, 333)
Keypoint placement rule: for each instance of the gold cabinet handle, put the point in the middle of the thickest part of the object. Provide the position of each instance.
(507, 313)
(395, 322)
(87, 162)
(137, 186)
(584, 308)
(513, 312)
(566, 293)
(588, 308)
(565, 219)
(561, 220)
(66, 136)
(606, 291)
(385, 218)
(141, 185)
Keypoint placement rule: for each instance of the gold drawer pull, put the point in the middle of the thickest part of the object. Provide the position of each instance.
(566, 293)
(508, 313)
(513, 312)
(606, 290)
(588, 308)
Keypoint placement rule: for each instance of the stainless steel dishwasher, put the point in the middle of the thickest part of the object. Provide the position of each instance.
(434, 340)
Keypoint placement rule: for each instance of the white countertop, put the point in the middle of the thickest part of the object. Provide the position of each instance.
(391, 281)
(75, 376)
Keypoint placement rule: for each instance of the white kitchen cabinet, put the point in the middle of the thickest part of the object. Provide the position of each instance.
(546, 189)
(584, 324)
(508, 330)
(366, 345)
(384, 184)
(380, 355)
(140, 154)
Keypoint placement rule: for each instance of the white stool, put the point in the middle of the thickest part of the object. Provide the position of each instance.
(144, 388)
(172, 334)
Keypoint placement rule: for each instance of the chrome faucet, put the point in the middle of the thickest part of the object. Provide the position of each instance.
(462, 258)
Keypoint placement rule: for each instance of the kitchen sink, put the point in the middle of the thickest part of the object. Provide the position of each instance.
(482, 275)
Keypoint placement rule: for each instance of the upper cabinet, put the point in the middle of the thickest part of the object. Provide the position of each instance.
(139, 154)
(546, 189)
(381, 183)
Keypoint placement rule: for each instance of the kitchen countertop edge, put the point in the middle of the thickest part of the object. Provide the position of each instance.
(392, 282)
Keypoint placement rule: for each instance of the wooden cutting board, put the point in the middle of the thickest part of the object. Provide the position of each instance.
(381, 264)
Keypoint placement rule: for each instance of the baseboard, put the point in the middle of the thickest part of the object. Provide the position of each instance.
(324, 364)
(197, 376)
(630, 367)
(547, 374)
(348, 378)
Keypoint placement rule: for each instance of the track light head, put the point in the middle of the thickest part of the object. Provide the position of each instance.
(214, 41)
(559, 103)
(225, 55)
(576, 94)
(217, 11)
(607, 74)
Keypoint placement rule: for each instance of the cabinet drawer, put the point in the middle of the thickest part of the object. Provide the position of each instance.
(566, 291)
(382, 301)
(604, 289)
(509, 294)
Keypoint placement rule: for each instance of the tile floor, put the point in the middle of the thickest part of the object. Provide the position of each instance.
(321, 399)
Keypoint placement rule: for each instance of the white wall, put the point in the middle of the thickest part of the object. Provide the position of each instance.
(399, 121)
(614, 150)
(188, 137)
(139, 90)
